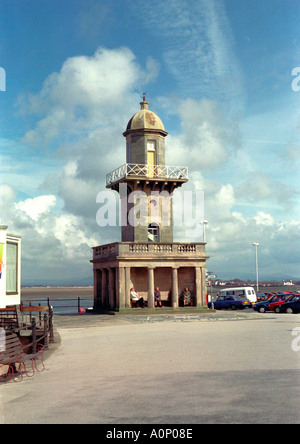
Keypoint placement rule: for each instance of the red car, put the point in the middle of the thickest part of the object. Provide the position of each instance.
(275, 304)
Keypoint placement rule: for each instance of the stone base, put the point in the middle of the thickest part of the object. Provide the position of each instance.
(172, 267)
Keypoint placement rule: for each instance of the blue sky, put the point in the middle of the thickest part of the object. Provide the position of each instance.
(218, 73)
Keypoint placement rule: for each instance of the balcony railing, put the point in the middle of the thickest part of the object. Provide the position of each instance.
(149, 250)
(147, 171)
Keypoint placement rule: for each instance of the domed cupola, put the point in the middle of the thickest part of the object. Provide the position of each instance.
(145, 135)
(145, 119)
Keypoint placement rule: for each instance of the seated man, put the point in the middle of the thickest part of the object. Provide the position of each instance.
(186, 297)
(157, 297)
(134, 297)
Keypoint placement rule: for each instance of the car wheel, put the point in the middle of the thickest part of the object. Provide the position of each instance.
(262, 309)
(289, 310)
(233, 307)
(276, 309)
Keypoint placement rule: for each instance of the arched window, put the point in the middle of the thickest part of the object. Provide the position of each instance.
(153, 233)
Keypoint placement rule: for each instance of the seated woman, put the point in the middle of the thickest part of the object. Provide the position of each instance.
(186, 297)
(134, 297)
(157, 297)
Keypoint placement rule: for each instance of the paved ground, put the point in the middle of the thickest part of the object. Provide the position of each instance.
(226, 367)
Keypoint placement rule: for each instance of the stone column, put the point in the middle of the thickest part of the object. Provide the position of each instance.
(111, 288)
(174, 288)
(203, 285)
(104, 301)
(120, 287)
(150, 287)
(97, 288)
(198, 287)
(127, 287)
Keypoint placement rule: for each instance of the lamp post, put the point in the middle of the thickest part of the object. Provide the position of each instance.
(204, 222)
(256, 244)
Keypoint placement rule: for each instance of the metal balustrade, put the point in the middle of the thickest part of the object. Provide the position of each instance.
(147, 171)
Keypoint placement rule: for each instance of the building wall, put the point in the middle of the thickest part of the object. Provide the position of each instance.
(139, 280)
(3, 270)
(137, 148)
(13, 296)
(159, 210)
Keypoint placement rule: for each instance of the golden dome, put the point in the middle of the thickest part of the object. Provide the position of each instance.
(146, 120)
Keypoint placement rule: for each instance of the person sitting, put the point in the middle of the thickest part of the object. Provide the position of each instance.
(135, 298)
(157, 297)
(186, 297)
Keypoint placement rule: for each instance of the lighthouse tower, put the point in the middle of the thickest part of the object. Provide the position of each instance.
(145, 171)
(147, 257)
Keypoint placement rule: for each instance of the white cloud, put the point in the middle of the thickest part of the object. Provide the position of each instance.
(87, 93)
(68, 230)
(264, 219)
(37, 206)
(263, 187)
(54, 245)
(208, 137)
(7, 194)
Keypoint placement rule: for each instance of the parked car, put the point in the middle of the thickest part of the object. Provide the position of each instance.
(291, 306)
(262, 296)
(233, 302)
(264, 306)
(275, 306)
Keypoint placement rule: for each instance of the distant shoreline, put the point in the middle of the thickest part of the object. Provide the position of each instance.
(56, 286)
(87, 292)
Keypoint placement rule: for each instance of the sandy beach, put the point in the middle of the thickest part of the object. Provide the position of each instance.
(56, 292)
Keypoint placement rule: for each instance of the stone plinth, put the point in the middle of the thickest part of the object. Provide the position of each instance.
(170, 266)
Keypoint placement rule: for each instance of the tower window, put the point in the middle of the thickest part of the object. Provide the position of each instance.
(153, 233)
(151, 145)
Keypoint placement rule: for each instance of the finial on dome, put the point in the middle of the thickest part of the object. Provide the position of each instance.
(144, 104)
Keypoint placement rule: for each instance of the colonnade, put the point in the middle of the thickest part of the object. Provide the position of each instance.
(112, 286)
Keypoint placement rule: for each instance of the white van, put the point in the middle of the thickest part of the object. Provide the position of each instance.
(247, 292)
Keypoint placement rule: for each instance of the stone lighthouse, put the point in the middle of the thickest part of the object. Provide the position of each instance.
(147, 257)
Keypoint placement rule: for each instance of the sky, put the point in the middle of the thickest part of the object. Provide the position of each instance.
(222, 76)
